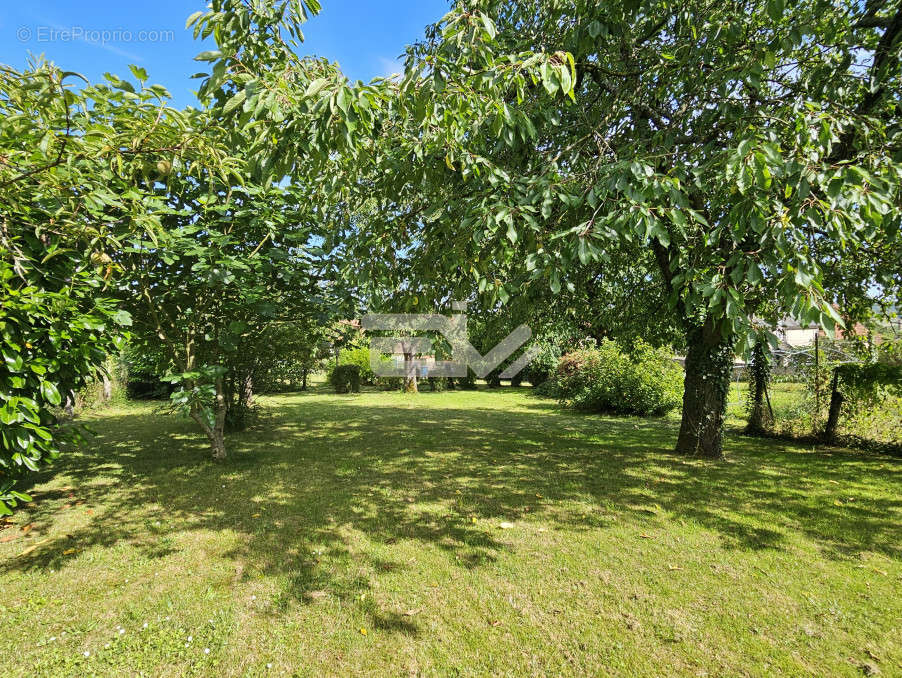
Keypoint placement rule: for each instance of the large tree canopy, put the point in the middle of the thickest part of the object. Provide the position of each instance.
(233, 268)
(739, 145)
(72, 159)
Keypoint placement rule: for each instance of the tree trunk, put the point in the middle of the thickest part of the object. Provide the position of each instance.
(836, 401)
(304, 379)
(410, 374)
(69, 405)
(216, 433)
(760, 417)
(709, 362)
(217, 443)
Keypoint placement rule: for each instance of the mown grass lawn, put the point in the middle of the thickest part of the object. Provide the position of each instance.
(450, 534)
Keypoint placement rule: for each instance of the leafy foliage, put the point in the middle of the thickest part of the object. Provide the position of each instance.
(345, 378)
(228, 289)
(359, 356)
(738, 153)
(644, 382)
(74, 162)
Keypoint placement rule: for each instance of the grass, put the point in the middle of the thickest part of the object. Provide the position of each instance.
(462, 533)
(876, 425)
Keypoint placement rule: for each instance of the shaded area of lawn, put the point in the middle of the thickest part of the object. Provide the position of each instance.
(325, 490)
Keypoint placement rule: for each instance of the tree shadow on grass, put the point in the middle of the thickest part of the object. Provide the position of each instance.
(322, 466)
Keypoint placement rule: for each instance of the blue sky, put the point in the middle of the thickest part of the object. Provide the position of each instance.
(364, 36)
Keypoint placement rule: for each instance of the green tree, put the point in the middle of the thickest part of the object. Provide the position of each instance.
(232, 267)
(731, 142)
(74, 160)
(724, 141)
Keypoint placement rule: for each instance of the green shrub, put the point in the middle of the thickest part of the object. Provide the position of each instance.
(541, 369)
(361, 358)
(346, 379)
(645, 381)
(437, 383)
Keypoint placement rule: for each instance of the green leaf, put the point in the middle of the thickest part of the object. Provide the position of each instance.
(315, 87)
(122, 318)
(139, 73)
(50, 393)
(209, 55)
(14, 362)
(511, 231)
(234, 102)
(549, 79)
(489, 25)
(194, 17)
(775, 9)
(342, 99)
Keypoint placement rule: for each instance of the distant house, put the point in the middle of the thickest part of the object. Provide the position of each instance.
(792, 334)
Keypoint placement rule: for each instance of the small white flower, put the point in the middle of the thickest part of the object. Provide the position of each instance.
(107, 645)
(86, 653)
(186, 644)
(253, 597)
(269, 666)
(145, 625)
(190, 639)
(206, 650)
(121, 631)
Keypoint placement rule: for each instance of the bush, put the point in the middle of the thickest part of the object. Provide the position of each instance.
(437, 383)
(361, 358)
(645, 381)
(345, 379)
(541, 369)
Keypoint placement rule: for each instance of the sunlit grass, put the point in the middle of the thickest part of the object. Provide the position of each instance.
(466, 533)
